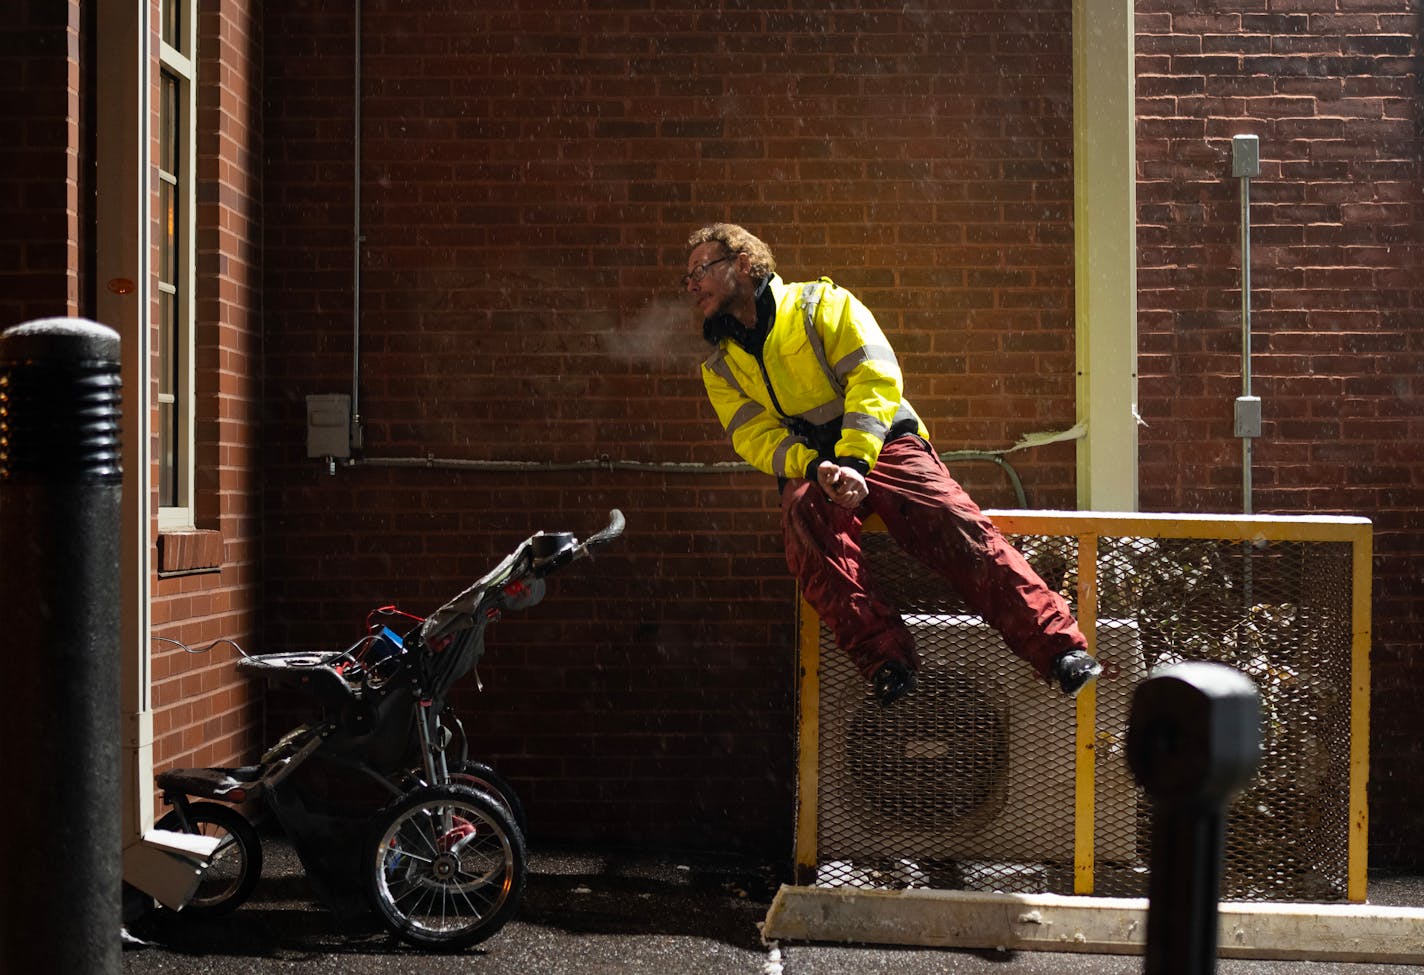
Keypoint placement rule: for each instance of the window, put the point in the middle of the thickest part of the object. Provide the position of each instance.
(177, 143)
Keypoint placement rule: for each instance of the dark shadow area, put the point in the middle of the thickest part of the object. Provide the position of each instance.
(601, 913)
(693, 897)
(570, 896)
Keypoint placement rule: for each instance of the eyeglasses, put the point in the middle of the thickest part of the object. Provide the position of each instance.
(697, 273)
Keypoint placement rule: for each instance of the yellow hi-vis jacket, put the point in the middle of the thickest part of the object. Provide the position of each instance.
(827, 385)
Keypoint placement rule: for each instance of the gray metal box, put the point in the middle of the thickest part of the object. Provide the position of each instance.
(1248, 416)
(329, 425)
(1245, 155)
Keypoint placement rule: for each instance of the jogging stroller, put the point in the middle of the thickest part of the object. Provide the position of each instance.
(377, 792)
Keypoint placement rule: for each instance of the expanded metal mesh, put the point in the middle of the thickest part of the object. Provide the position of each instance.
(969, 782)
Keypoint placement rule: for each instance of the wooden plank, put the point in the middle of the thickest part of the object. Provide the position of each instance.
(1099, 925)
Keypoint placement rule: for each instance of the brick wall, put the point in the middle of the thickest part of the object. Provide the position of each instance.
(39, 162)
(1333, 93)
(204, 714)
(529, 175)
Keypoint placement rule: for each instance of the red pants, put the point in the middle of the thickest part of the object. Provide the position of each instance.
(932, 518)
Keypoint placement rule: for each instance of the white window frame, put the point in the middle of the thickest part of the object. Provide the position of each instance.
(176, 500)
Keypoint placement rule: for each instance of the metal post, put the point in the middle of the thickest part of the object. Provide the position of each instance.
(1245, 163)
(60, 483)
(1193, 741)
(355, 436)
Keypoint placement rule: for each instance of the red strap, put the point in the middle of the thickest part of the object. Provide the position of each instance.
(391, 610)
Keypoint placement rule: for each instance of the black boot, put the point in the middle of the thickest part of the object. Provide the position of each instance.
(893, 681)
(1074, 671)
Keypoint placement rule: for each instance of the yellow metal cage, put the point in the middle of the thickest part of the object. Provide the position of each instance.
(988, 779)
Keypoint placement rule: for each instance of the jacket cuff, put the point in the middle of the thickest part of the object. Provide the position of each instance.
(811, 467)
(855, 463)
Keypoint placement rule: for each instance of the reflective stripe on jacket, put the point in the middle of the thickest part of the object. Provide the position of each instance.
(835, 386)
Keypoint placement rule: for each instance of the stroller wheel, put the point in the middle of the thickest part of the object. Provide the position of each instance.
(447, 867)
(479, 775)
(236, 865)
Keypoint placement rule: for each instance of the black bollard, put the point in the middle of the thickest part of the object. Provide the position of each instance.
(1193, 741)
(59, 573)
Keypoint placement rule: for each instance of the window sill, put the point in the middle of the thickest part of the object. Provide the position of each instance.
(189, 552)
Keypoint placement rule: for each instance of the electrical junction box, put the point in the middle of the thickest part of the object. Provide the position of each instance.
(1245, 155)
(329, 425)
(1248, 416)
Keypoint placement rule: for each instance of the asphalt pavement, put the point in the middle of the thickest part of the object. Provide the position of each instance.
(592, 913)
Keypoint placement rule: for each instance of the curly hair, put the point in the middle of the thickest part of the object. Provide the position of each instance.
(737, 240)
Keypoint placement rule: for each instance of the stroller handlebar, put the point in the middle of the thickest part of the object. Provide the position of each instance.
(537, 556)
(604, 535)
(552, 551)
(516, 583)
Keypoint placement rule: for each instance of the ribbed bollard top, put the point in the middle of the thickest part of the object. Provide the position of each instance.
(59, 402)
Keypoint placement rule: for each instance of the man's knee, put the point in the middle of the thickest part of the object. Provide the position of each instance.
(804, 512)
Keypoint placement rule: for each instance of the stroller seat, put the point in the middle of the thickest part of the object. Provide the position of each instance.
(212, 783)
(308, 671)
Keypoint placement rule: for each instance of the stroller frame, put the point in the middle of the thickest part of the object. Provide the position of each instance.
(438, 851)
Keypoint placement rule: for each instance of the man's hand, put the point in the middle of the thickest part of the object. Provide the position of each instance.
(843, 485)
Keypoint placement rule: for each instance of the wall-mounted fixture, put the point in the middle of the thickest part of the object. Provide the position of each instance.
(329, 427)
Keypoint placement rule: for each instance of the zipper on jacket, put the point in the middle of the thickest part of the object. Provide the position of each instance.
(770, 390)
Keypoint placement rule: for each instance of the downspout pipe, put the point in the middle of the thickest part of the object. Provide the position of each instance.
(357, 239)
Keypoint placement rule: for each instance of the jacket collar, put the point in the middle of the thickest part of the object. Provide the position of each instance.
(725, 326)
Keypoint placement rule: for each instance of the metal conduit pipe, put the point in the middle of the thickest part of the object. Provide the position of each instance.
(356, 240)
(606, 463)
(1245, 164)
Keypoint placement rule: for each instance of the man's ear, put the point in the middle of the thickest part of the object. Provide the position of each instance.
(744, 263)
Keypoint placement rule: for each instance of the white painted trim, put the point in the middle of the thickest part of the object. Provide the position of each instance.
(183, 65)
(1105, 251)
(123, 242)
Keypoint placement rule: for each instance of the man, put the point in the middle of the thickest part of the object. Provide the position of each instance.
(808, 389)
